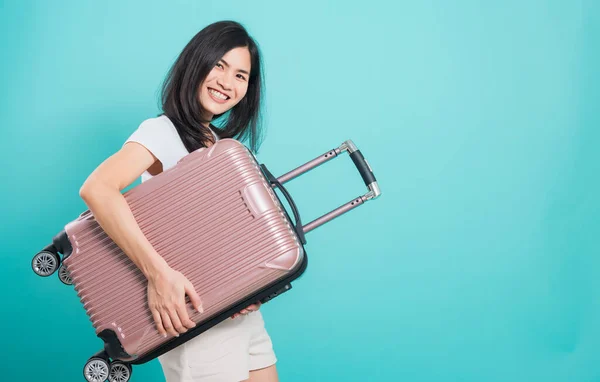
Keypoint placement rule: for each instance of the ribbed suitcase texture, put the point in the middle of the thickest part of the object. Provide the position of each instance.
(213, 217)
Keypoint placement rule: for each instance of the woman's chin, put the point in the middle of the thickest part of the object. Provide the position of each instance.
(214, 108)
(213, 112)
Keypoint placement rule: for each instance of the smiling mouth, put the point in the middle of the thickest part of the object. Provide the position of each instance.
(217, 95)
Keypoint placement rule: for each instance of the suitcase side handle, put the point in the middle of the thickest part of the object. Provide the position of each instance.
(275, 182)
(361, 164)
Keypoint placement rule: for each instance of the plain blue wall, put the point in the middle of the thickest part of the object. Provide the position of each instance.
(478, 263)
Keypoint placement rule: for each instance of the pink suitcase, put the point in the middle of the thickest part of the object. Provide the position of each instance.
(216, 218)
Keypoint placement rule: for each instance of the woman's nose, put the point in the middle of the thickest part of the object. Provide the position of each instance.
(224, 81)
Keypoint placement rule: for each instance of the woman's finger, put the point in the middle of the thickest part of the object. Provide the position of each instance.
(177, 325)
(166, 321)
(194, 298)
(158, 322)
(184, 317)
(253, 307)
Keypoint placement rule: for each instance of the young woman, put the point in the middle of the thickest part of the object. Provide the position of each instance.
(218, 72)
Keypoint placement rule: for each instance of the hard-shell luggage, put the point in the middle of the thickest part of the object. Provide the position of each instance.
(215, 217)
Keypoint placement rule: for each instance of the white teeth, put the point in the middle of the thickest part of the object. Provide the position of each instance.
(217, 94)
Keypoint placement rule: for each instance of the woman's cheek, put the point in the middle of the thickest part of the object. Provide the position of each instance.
(243, 92)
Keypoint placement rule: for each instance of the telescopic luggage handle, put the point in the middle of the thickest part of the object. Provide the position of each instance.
(363, 168)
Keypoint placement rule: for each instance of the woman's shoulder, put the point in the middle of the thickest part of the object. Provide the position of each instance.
(160, 137)
(158, 130)
(160, 127)
(159, 122)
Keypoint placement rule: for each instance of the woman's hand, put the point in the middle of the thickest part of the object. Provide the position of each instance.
(251, 308)
(166, 299)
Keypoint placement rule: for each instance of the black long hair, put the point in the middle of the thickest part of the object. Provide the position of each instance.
(180, 97)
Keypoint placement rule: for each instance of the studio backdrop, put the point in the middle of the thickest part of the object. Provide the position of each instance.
(479, 261)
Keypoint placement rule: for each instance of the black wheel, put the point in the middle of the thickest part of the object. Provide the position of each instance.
(96, 370)
(119, 372)
(64, 276)
(45, 263)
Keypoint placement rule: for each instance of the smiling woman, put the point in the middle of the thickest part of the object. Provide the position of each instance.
(227, 83)
(219, 71)
(217, 74)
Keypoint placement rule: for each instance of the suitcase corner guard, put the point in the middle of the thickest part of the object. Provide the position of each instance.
(113, 346)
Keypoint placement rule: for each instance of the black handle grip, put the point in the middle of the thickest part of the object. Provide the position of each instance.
(298, 227)
(363, 167)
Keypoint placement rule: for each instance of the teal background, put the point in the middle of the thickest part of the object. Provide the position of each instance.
(480, 119)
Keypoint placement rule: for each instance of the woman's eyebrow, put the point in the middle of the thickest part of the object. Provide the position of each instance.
(239, 70)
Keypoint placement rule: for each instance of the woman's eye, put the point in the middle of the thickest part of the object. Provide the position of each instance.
(242, 77)
(219, 65)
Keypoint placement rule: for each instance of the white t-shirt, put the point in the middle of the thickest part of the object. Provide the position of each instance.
(160, 136)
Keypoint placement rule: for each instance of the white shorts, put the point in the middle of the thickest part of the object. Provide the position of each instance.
(225, 353)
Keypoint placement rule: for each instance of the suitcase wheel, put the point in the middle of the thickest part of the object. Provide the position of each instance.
(96, 370)
(64, 275)
(45, 263)
(119, 372)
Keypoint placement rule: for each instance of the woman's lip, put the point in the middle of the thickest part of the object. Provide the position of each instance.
(217, 100)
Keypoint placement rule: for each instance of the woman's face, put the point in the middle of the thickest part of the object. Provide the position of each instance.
(227, 82)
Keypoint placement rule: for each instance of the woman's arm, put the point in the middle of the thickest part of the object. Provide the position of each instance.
(102, 194)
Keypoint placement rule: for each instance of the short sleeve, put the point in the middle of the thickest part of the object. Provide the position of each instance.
(158, 137)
